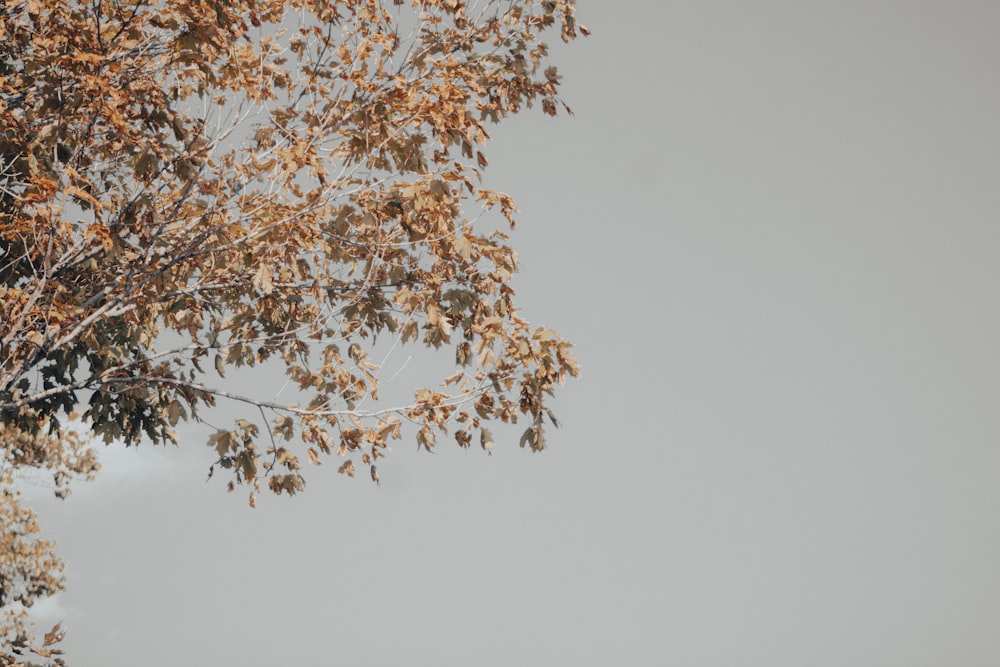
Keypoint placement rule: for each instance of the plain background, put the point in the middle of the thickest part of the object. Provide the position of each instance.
(771, 231)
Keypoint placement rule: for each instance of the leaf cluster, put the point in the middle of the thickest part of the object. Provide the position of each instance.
(193, 187)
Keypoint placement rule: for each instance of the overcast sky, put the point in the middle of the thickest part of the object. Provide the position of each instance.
(771, 231)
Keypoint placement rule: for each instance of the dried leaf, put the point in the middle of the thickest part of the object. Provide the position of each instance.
(486, 441)
(142, 233)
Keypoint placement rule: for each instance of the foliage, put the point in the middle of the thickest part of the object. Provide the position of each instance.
(191, 186)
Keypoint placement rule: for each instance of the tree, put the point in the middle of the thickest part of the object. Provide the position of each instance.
(191, 186)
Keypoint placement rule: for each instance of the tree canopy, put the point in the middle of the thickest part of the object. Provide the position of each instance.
(192, 186)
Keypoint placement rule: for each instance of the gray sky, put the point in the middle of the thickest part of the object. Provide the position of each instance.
(771, 231)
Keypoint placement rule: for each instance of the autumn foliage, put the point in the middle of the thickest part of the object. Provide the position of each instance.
(191, 186)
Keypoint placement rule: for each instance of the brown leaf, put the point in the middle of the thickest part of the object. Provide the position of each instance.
(314, 457)
(486, 441)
